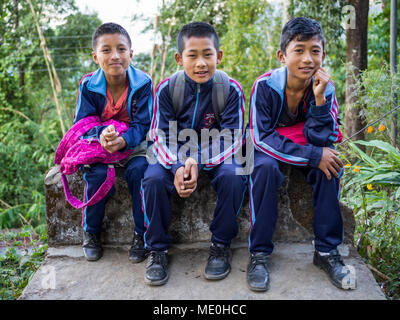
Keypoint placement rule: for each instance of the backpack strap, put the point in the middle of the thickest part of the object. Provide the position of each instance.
(220, 93)
(177, 90)
(100, 193)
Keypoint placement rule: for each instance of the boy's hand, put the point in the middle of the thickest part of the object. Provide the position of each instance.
(110, 139)
(321, 79)
(186, 178)
(109, 133)
(330, 163)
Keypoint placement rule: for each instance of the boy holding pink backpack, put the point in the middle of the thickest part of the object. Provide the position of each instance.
(115, 92)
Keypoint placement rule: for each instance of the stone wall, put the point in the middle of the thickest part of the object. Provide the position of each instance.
(191, 217)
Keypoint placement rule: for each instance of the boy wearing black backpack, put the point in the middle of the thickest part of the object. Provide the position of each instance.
(185, 101)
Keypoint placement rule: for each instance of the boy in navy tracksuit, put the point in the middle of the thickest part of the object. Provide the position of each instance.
(120, 92)
(199, 54)
(293, 119)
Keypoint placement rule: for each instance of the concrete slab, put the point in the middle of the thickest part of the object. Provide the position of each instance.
(66, 275)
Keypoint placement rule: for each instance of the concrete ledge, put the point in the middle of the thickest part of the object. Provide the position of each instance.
(66, 275)
(190, 217)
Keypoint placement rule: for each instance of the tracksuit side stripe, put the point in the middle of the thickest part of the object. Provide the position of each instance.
(84, 224)
(263, 147)
(161, 151)
(146, 219)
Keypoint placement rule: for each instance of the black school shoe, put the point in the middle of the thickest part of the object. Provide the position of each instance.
(341, 275)
(92, 248)
(156, 268)
(257, 272)
(218, 265)
(137, 252)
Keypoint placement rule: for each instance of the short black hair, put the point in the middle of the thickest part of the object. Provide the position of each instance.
(109, 28)
(301, 29)
(196, 29)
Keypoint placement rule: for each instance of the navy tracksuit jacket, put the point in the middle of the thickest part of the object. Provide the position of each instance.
(158, 184)
(91, 101)
(320, 130)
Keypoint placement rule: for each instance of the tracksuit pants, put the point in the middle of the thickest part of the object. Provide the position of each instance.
(158, 187)
(263, 203)
(92, 216)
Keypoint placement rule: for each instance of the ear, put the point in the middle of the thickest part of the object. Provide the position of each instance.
(323, 56)
(131, 54)
(281, 56)
(178, 59)
(219, 56)
(94, 55)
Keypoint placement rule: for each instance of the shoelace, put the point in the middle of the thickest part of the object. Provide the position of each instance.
(256, 260)
(137, 241)
(92, 241)
(335, 258)
(156, 258)
(216, 252)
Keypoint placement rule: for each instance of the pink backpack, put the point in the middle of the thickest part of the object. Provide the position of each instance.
(72, 152)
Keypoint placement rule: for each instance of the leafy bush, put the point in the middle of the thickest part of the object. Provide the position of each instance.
(372, 190)
(23, 256)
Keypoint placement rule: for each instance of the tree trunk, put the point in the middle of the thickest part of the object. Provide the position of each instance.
(357, 61)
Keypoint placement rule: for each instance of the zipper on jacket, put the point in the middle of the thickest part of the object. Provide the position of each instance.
(197, 103)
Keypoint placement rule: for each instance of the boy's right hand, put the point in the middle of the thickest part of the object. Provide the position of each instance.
(330, 163)
(109, 133)
(186, 178)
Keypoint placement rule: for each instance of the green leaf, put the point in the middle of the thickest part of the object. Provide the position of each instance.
(397, 220)
(392, 177)
(384, 146)
(397, 195)
(363, 155)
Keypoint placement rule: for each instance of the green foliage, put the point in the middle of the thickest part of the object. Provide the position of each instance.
(251, 40)
(373, 192)
(29, 124)
(23, 256)
(379, 35)
(376, 89)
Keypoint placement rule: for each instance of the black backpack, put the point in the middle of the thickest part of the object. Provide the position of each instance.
(220, 91)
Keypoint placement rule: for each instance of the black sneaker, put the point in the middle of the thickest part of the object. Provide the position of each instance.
(257, 272)
(137, 252)
(341, 275)
(92, 246)
(218, 265)
(156, 268)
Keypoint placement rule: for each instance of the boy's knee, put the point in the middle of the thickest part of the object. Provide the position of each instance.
(227, 172)
(266, 164)
(155, 175)
(136, 170)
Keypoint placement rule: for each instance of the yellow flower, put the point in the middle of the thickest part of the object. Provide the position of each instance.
(347, 165)
(356, 168)
(370, 129)
(382, 127)
(369, 186)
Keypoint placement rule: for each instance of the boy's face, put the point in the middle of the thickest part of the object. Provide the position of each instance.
(113, 54)
(302, 58)
(199, 58)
